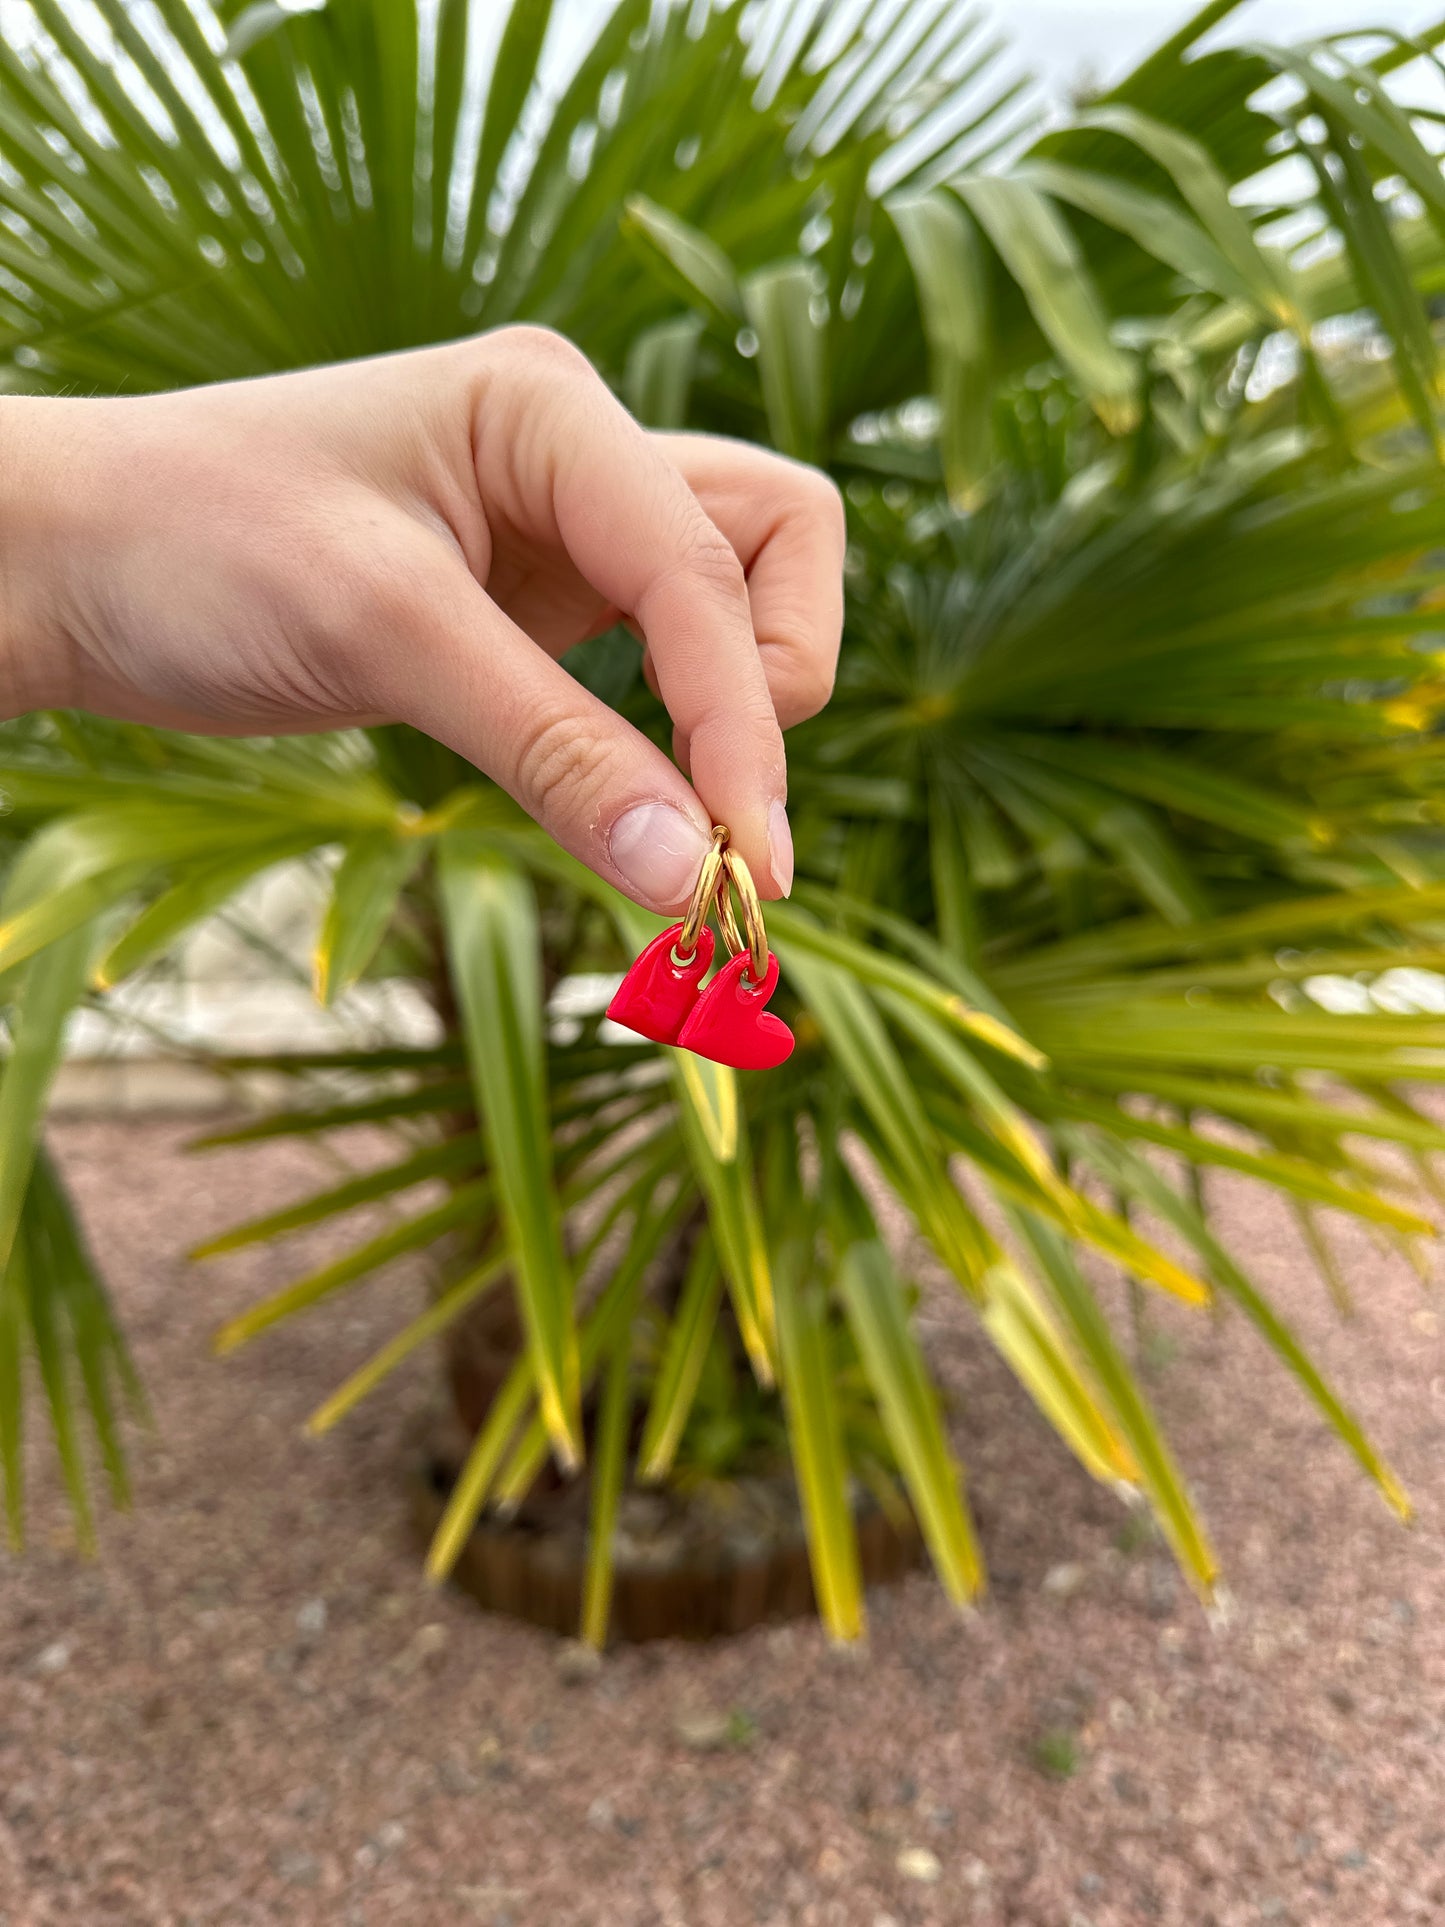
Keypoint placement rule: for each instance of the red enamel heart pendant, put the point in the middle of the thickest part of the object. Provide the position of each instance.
(729, 1023)
(659, 994)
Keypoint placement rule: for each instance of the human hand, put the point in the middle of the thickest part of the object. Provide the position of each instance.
(417, 539)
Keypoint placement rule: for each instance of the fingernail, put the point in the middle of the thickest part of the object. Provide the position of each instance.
(780, 848)
(658, 851)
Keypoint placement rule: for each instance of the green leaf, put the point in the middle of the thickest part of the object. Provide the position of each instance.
(688, 1338)
(453, 1155)
(441, 1313)
(514, 73)
(782, 306)
(815, 1434)
(51, 991)
(262, 17)
(1020, 1326)
(1163, 1198)
(493, 944)
(609, 1469)
(661, 364)
(470, 1204)
(369, 881)
(865, 1053)
(1038, 250)
(690, 263)
(873, 1296)
(1157, 1471)
(1177, 783)
(100, 1350)
(1150, 220)
(421, 1100)
(734, 1211)
(39, 1294)
(946, 257)
(14, 1325)
(208, 888)
(602, 1330)
(81, 864)
(1193, 171)
(1301, 1178)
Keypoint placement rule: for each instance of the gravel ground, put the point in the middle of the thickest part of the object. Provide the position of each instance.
(251, 1710)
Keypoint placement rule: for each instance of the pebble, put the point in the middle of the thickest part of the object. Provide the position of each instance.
(1163, 1589)
(455, 1778)
(917, 1863)
(297, 1869)
(426, 1647)
(1063, 1581)
(577, 1663)
(704, 1732)
(55, 1658)
(601, 1815)
(311, 1619)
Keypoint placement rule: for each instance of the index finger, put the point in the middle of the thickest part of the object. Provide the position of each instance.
(639, 535)
(785, 521)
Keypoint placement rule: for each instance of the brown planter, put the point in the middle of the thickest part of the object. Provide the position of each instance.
(684, 1571)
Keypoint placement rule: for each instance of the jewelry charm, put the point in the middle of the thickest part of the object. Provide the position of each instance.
(729, 1023)
(662, 996)
(659, 992)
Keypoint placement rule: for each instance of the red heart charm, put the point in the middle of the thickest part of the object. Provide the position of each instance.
(658, 994)
(730, 1025)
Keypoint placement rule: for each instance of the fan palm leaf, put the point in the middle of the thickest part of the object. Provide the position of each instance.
(1129, 759)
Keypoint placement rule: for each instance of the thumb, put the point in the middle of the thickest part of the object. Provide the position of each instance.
(471, 678)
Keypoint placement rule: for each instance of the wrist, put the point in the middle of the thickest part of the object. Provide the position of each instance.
(35, 658)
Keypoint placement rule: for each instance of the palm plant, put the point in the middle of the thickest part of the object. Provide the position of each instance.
(1129, 762)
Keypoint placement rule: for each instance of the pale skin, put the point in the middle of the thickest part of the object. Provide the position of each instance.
(418, 539)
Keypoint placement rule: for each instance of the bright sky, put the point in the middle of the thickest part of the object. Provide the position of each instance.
(1067, 41)
(1064, 40)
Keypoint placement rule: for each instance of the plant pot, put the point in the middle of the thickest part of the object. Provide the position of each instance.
(693, 1566)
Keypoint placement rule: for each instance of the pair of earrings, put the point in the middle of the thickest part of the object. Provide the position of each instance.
(663, 996)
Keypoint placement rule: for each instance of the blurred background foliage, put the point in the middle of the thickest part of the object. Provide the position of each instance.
(1119, 854)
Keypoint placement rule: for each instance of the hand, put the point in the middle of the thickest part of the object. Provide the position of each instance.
(419, 538)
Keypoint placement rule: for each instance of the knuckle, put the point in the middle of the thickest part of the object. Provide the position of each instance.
(557, 768)
(543, 349)
(801, 680)
(826, 500)
(713, 563)
(366, 598)
(813, 689)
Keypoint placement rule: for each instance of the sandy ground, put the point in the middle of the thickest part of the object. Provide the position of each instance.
(251, 1710)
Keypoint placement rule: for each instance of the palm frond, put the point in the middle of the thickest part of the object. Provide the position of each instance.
(1132, 755)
